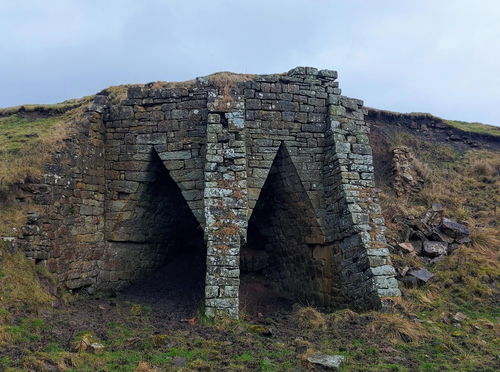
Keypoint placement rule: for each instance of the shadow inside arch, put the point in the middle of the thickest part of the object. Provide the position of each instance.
(279, 263)
(164, 248)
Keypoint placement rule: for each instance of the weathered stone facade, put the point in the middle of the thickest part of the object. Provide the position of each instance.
(273, 172)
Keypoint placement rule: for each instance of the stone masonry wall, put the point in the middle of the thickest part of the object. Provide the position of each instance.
(65, 231)
(357, 226)
(108, 218)
(286, 243)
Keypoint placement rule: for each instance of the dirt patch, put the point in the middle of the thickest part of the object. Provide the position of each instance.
(258, 300)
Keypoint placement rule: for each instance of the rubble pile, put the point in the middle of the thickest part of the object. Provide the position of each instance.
(431, 237)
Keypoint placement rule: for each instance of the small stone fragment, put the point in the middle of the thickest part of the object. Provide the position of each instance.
(332, 362)
(88, 342)
(179, 361)
(434, 249)
(459, 317)
(97, 348)
(436, 207)
(403, 271)
(440, 236)
(410, 281)
(454, 229)
(407, 248)
(422, 274)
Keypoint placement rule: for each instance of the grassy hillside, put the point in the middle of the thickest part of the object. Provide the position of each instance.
(40, 332)
(28, 135)
(474, 127)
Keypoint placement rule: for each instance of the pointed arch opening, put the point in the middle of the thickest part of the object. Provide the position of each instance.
(162, 245)
(285, 259)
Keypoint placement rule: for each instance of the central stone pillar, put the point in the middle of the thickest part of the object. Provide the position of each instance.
(225, 200)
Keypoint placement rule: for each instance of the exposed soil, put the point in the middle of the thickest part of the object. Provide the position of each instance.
(257, 299)
(429, 128)
(164, 302)
(173, 292)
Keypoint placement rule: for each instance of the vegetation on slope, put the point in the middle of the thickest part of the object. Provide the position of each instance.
(28, 137)
(21, 286)
(475, 127)
(26, 141)
(47, 110)
(466, 184)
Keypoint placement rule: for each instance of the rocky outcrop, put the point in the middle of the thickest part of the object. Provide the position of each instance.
(407, 177)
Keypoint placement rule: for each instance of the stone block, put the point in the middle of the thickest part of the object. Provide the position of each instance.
(389, 292)
(361, 149)
(176, 155)
(128, 187)
(383, 270)
(151, 138)
(330, 74)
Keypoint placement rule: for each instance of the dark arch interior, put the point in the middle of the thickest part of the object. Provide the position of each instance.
(279, 262)
(173, 264)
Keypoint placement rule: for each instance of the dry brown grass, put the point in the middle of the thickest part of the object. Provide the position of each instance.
(467, 185)
(28, 164)
(227, 82)
(146, 367)
(465, 280)
(396, 328)
(423, 169)
(171, 84)
(485, 239)
(23, 160)
(489, 168)
(231, 79)
(118, 93)
(224, 81)
(12, 217)
(64, 361)
(20, 286)
(343, 317)
(310, 318)
(485, 167)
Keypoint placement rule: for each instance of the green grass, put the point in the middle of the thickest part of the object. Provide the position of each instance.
(442, 346)
(475, 127)
(20, 287)
(18, 133)
(25, 145)
(27, 141)
(245, 357)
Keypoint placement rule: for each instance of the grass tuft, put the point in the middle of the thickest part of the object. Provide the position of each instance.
(396, 328)
(310, 318)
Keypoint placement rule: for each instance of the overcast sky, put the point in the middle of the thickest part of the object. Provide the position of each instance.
(437, 56)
